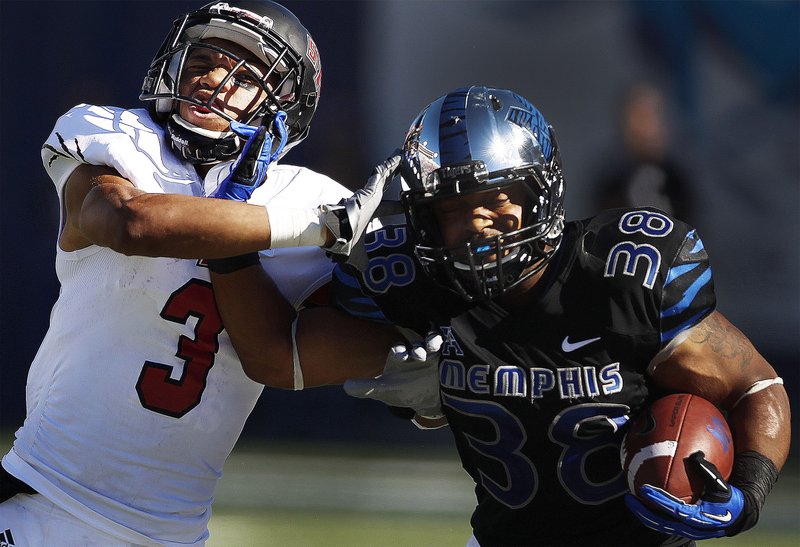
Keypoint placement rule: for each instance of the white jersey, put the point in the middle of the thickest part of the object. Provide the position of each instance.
(136, 397)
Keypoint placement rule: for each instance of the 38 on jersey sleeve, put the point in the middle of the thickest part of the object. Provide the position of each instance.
(393, 287)
(655, 266)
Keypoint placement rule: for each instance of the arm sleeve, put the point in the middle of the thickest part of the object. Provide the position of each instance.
(688, 293)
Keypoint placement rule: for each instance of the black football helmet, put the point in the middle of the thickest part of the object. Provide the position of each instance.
(266, 29)
(472, 140)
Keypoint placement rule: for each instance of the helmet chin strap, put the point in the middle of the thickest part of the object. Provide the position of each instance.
(209, 133)
(201, 146)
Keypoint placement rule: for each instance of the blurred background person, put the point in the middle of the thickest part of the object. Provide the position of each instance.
(640, 169)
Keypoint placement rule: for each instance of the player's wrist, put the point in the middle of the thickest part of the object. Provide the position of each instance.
(338, 226)
(754, 475)
(295, 227)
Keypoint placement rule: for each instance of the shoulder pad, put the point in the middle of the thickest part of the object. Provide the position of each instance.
(126, 140)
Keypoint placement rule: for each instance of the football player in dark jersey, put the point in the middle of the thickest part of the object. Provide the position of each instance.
(552, 334)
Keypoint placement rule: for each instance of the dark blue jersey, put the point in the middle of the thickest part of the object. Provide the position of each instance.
(538, 395)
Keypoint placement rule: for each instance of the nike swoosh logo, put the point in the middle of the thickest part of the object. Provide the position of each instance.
(720, 518)
(567, 346)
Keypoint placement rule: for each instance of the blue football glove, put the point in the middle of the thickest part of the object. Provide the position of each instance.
(250, 170)
(711, 517)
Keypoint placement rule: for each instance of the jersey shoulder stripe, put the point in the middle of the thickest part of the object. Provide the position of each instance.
(346, 294)
(688, 293)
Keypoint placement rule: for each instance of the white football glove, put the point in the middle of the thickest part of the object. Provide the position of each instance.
(410, 379)
(348, 219)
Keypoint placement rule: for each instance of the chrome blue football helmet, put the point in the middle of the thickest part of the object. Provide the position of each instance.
(472, 140)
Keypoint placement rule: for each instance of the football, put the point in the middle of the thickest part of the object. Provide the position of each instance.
(661, 438)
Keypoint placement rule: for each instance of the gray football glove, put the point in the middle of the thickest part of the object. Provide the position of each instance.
(410, 378)
(348, 219)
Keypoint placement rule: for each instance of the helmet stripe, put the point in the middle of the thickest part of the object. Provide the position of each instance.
(453, 141)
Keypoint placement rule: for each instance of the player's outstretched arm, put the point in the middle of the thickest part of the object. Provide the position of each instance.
(279, 348)
(717, 362)
(105, 209)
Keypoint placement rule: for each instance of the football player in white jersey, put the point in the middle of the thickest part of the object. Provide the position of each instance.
(136, 396)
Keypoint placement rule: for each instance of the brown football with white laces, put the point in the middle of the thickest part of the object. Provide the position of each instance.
(661, 438)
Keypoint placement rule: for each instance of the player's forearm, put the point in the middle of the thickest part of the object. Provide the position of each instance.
(331, 346)
(334, 347)
(760, 427)
(258, 320)
(133, 222)
(760, 422)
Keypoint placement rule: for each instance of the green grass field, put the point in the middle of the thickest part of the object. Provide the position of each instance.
(303, 496)
(371, 496)
(277, 527)
(274, 528)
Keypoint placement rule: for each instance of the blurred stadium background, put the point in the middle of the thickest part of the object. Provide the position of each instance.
(318, 468)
